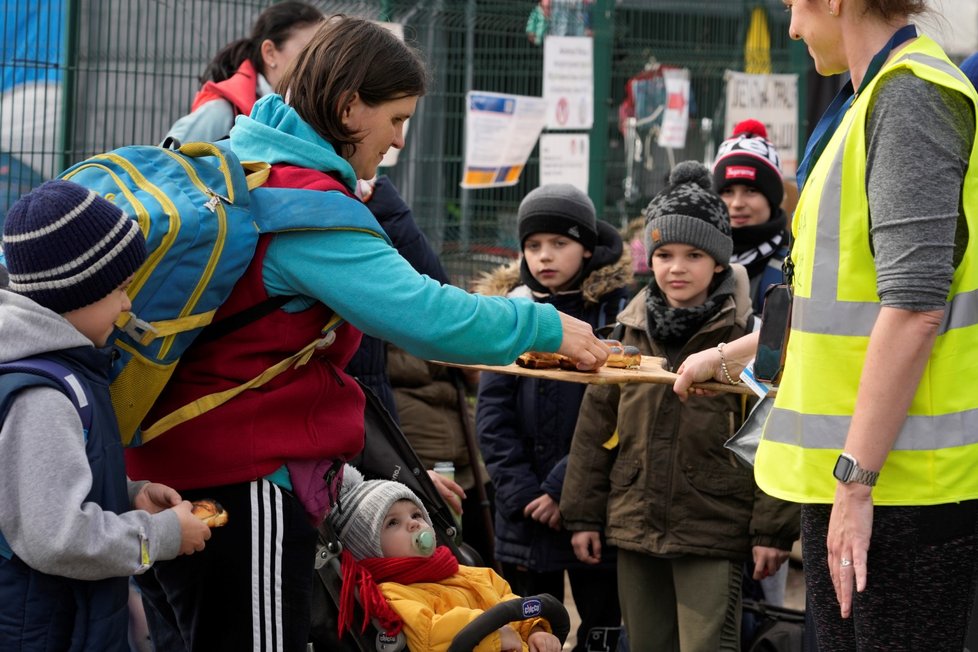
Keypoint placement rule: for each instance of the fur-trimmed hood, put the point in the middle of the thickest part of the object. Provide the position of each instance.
(614, 274)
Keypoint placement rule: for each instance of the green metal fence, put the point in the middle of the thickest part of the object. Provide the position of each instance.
(98, 74)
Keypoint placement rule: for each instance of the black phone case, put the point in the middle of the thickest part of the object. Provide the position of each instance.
(772, 342)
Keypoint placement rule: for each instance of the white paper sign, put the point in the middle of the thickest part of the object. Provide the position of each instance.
(772, 99)
(568, 81)
(564, 158)
(500, 132)
(675, 118)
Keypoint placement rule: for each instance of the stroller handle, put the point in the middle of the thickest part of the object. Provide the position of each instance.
(536, 606)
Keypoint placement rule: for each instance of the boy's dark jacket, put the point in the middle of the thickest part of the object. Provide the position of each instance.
(525, 425)
(670, 487)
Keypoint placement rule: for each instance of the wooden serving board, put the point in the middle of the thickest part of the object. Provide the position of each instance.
(650, 371)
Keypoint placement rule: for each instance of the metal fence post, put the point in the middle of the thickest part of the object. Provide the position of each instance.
(68, 99)
(602, 29)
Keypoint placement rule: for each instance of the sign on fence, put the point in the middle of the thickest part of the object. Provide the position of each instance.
(500, 132)
(772, 99)
(568, 82)
(675, 119)
(564, 158)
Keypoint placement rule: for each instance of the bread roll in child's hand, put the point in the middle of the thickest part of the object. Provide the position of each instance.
(210, 512)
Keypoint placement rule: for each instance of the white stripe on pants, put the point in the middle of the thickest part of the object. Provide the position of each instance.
(267, 523)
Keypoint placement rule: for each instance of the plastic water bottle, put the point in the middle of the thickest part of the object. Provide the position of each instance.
(446, 469)
(424, 542)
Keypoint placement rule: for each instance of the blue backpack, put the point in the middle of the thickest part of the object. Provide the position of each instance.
(40, 372)
(202, 212)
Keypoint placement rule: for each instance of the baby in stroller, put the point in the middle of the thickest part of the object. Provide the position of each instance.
(407, 581)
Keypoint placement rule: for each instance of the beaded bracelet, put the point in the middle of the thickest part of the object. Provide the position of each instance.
(723, 366)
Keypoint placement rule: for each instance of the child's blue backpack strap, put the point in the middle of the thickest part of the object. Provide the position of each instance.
(40, 372)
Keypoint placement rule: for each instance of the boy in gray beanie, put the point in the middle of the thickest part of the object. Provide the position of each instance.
(70, 522)
(684, 519)
(406, 582)
(558, 208)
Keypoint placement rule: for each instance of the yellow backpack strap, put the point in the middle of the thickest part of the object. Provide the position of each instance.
(145, 332)
(211, 401)
(256, 172)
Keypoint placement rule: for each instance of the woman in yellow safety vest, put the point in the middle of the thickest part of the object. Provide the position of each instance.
(875, 425)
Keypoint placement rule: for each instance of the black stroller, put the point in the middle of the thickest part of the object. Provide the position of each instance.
(388, 455)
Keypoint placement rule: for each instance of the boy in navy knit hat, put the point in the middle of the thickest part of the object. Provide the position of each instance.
(72, 529)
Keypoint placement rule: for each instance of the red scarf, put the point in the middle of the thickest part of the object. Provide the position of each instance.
(365, 574)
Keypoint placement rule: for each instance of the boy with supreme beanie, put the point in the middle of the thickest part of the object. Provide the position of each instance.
(747, 175)
(70, 523)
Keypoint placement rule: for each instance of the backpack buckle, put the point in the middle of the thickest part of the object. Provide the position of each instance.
(140, 331)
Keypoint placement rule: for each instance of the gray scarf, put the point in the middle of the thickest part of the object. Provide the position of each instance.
(674, 326)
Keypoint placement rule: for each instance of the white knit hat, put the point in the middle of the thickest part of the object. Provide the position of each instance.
(359, 514)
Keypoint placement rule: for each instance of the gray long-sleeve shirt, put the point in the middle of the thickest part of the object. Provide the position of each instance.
(919, 139)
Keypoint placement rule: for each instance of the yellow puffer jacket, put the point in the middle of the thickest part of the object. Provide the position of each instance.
(434, 612)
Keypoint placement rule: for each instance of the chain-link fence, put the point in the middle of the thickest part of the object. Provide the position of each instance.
(84, 76)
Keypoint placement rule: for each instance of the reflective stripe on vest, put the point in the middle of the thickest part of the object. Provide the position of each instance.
(835, 309)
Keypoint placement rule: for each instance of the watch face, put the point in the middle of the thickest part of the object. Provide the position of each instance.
(843, 469)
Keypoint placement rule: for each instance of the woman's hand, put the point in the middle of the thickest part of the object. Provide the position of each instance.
(544, 509)
(450, 490)
(705, 365)
(850, 528)
(580, 344)
(767, 561)
(697, 368)
(154, 497)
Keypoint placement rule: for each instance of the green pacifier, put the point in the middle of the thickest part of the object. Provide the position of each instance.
(424, 542)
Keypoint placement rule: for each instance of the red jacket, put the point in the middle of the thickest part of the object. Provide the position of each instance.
(313, 412)
(240, 89)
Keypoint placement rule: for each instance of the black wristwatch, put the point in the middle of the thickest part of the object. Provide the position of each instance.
(847, 470)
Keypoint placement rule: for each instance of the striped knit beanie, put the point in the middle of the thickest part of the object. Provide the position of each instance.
(67, 248)
(749, 158)
(360, 511)
(689, 212)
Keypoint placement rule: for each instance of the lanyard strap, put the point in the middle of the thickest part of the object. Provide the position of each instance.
(833, 115)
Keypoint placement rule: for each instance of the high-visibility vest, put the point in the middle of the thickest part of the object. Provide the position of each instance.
(935, 457)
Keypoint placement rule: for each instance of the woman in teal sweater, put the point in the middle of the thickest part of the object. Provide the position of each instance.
(346, 98)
